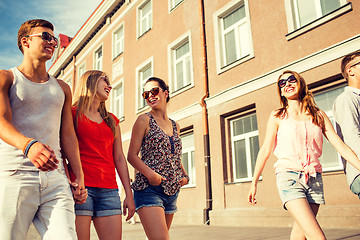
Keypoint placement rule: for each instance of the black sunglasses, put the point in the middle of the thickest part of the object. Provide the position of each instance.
(354, 64)
(154, 91)
(45, 36)
(290, 79)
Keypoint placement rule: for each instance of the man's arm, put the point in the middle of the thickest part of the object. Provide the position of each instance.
(68, 139)
(41, 155)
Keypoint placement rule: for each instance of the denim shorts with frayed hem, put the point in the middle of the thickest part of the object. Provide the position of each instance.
(291, 186)
(100, 202)
(154, 196)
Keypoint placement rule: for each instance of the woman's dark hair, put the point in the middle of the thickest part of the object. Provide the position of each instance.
(162, 85)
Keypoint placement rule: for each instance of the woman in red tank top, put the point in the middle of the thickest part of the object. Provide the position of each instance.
(101, 154)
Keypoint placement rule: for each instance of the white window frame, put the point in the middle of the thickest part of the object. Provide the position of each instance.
(295, 30)
(173, 5)
(329, 113)
(68, 81)
(172, 47)
(81, 69)
(149, 63)
(118, 108)
(118, 43)
(96, 59)
(191, 161)
(246, 137)
(218, 16)
(140, 17)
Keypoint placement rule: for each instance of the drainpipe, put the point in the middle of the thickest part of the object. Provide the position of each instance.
(207, 163)
(74, 74)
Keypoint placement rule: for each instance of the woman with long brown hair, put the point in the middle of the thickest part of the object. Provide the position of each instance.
(101, 153)
(295, 134)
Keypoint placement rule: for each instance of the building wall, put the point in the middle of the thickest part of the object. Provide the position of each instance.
(246, 86)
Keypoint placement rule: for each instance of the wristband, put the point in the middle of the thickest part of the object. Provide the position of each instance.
(28, 146)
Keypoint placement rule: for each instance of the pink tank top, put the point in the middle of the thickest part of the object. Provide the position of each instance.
(298, 147)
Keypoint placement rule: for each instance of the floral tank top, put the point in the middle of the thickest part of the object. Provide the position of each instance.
(162, 153)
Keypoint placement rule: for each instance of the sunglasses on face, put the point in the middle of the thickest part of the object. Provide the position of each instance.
(290, 79)
(45, 36)
(154, 91)
(354, 64)
(106, 79)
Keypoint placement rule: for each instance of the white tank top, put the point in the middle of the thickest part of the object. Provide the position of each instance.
(36, 113)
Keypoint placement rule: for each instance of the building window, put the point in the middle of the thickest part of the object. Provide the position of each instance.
(117, 99)
(144, 18)
(98, 60)
(181, 64)
(306, 11)
(330, 159)
(188, 157)
(118, 41)
(175, 3)
(143, 73)
(81, 70)
(304, 15)
(69, 82)
(244, 146)
(233, 33)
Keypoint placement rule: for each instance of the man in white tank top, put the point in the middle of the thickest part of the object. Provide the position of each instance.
(35, 121)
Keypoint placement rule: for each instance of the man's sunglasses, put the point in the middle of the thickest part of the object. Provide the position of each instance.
(47, 37)
(154, 91)
(290, 79)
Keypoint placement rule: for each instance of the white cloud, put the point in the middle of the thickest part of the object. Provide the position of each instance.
(68, 15)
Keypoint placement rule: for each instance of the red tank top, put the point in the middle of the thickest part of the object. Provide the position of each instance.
(96, 144)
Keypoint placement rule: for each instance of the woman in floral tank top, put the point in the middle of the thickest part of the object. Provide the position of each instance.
(295, 134)
(160, 171)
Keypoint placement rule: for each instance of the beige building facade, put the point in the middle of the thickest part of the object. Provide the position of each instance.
(228, 53)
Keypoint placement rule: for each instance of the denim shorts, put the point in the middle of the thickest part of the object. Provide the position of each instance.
(355, 186)
(291, 186)
(100, 202)
(154, 196)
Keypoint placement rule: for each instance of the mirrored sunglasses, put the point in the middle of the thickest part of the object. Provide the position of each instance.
(154, 91)
(290, 79)
(45, 36)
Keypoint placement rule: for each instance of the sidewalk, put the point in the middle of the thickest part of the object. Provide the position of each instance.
(203, 232)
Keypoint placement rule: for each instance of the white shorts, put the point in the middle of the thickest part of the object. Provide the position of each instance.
(43, 198)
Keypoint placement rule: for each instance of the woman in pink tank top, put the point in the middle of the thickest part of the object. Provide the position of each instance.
(294, 132)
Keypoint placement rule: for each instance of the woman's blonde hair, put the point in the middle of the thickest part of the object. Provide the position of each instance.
(305, 97)
(84, 96)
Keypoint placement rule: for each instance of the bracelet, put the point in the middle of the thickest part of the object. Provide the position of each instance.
(28, 146)
(187, 177)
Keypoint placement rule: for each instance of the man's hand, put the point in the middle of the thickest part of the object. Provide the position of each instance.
(43, 157)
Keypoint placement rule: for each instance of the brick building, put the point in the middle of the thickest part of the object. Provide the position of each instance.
(221, 59)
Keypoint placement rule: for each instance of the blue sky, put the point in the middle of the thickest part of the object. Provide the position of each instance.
(66, 15)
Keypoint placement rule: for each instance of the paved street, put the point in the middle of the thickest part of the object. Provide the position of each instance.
(202, 232)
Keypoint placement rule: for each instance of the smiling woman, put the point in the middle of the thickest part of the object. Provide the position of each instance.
(295, 135)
